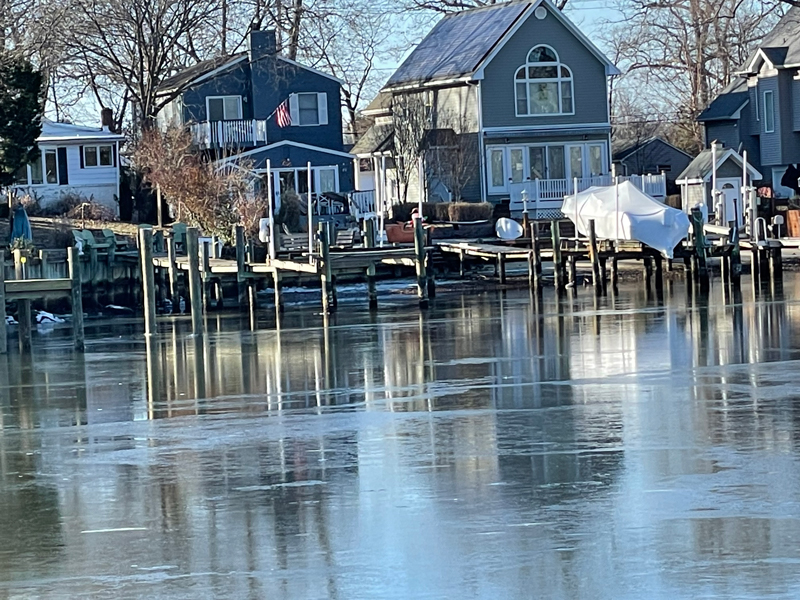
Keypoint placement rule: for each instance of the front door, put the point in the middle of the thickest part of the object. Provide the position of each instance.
(731, 190)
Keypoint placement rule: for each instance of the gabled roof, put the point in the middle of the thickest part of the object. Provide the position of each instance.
(65, 132)
(460, 43)
(781, 46)
(701, 168)
(381, 104)
(378, 138)
(730, 101)
(632, 149)
(201, 69)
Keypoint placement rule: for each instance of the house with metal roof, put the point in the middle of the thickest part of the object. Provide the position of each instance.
(73, 160)
(524, 94)
(259, 106)
(759, 112)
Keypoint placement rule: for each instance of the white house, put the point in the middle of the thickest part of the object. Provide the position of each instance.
(73, 160)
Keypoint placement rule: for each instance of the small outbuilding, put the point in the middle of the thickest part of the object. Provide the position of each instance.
(697, 180)
(651, 157)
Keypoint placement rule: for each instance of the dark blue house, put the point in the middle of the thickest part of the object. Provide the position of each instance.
(257, 106)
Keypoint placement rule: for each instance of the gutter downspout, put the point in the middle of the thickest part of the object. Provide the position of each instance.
(481, 145)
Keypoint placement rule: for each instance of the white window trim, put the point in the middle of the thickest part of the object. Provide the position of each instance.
(526, 167)
(558, 80)
(223, 98)
(772, 107)
(322, 109)
(44, 183)
(86, 165)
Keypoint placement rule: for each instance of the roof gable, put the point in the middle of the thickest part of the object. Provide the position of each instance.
(780, 47)
(701, 168)
(202, 70)
(629, 151)
(461, 44)
(65, 132)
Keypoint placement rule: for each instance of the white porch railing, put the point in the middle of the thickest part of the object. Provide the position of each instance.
(545, 196)
(362, 203)
(221, 134)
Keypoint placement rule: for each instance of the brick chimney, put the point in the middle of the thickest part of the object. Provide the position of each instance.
(107, 119)
(261, 43)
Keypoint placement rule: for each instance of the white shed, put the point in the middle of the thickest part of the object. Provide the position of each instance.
(74, 160)
(696, 182)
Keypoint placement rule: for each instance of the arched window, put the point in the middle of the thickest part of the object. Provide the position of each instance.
(543, 86)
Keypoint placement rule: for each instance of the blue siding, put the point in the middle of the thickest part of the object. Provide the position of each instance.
(288, 156)
(771, 150)
(589, 78)
(725, 132)
(231, 82)
(264, 84)
(274, 80)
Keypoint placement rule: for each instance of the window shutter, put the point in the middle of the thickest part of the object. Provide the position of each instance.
(63, 171)
(294, 109)
(322, 108)
(80, 151)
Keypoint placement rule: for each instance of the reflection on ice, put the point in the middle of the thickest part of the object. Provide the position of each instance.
(594, 448)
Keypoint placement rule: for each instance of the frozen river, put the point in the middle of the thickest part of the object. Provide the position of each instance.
(616, 448)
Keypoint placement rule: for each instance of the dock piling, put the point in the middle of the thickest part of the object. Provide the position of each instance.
(148, 279)
(173, 274)
(558, 266)
(369, 242)
(326, 274)
(241, 259)
(195, 290)
(597, 278)
(3, 326)
(205, 283)
(23, 306)
(77, 300)
(419, 252)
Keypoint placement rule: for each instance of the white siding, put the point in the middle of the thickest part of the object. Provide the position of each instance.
(88, 175)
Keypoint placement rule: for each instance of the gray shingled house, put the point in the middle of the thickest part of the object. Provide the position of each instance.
(651, 156)
(519, 87)
(760, 110)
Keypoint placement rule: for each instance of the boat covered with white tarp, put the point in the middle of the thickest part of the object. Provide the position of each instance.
(623, 212)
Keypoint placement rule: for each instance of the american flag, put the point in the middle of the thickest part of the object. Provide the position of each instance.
(283, 116)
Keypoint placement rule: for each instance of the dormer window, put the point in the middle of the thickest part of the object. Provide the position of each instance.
(543, 85)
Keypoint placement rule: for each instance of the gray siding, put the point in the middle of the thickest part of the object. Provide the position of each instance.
(650, 156)
(456, 108)
(754, 106)
(796, 104)
(589, 79)
(771, 151)
(726, 132)
(790, 141)
(729, 169)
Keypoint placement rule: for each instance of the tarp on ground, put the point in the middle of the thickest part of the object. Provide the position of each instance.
(624, 212)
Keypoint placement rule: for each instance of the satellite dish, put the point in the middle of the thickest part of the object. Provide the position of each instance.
(508, 229)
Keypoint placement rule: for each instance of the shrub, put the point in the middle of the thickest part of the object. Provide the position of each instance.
(470, 211)
(290, 211)
(401, 213)
(93, 211)
(441, 211)
(63, 205)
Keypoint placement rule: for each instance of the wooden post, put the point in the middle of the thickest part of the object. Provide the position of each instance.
(648, 271)
(614, 271)
(775, 263)
(326, 274)
(571, 270)
(23, 306)
(558, 267)
(419, 250)
(736, 257)
(431, 274)
(159, 214)
(699, 245)
(205, 268)
(276, 282)
(597, 278)
(173, 274)
(240, 264)
(501, 267)
(252, 301)
(526, 226)
(659, 275)
(77, 299)
(3, 326)
(536, 251)
(369, 242)
(44, 264)
(148, 279)
(195, 285)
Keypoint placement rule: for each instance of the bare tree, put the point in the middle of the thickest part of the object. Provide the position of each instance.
(451, 153)
(683, 52)
(200, 192)
(127, 48)
(411, 121)
(447, 6)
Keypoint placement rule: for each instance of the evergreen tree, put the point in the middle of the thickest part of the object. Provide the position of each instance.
(21, 108)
